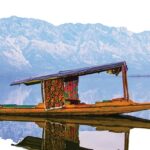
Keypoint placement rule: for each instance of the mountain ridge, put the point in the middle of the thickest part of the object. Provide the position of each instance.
(30, 46)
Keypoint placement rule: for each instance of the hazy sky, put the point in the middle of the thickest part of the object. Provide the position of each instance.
(133, 14)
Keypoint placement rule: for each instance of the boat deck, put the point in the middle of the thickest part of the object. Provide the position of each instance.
(100, 108)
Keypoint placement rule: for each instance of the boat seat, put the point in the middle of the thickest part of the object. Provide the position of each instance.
(72, 101)
(40, 106)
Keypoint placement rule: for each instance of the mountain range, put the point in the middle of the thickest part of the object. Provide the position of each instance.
(33, 47)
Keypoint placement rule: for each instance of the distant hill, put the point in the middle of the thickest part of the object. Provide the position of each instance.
(32, 47)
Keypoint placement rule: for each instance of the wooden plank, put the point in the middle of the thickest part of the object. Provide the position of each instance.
(89, 111)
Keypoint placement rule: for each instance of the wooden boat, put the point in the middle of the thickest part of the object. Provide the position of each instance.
(60, 95)
(64, 132)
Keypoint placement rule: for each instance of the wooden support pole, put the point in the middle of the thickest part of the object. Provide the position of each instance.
(126, 140)
(43, 139)
(125, 82)
(42, 91)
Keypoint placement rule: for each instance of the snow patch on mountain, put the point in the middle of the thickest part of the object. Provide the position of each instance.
(14, 54)
(15, 58)
(54, 49)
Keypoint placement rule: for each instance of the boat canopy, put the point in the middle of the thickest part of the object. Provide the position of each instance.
(113, 68)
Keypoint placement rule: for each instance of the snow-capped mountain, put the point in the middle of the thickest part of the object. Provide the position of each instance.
(35, 47)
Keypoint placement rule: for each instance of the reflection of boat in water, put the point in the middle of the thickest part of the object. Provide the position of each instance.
(63, 134)
(36, 143)
(118, 122)
(60, 95)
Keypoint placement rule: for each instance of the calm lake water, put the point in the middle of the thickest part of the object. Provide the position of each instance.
(102, 133)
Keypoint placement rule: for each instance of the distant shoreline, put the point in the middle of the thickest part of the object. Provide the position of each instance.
(139, 76)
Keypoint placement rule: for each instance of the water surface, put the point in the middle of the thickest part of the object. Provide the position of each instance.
(106, 133)
(55, 134)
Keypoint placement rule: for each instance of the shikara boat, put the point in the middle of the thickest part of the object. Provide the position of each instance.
(60, 95)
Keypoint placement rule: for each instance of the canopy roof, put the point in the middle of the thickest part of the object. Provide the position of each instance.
(73, 73)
